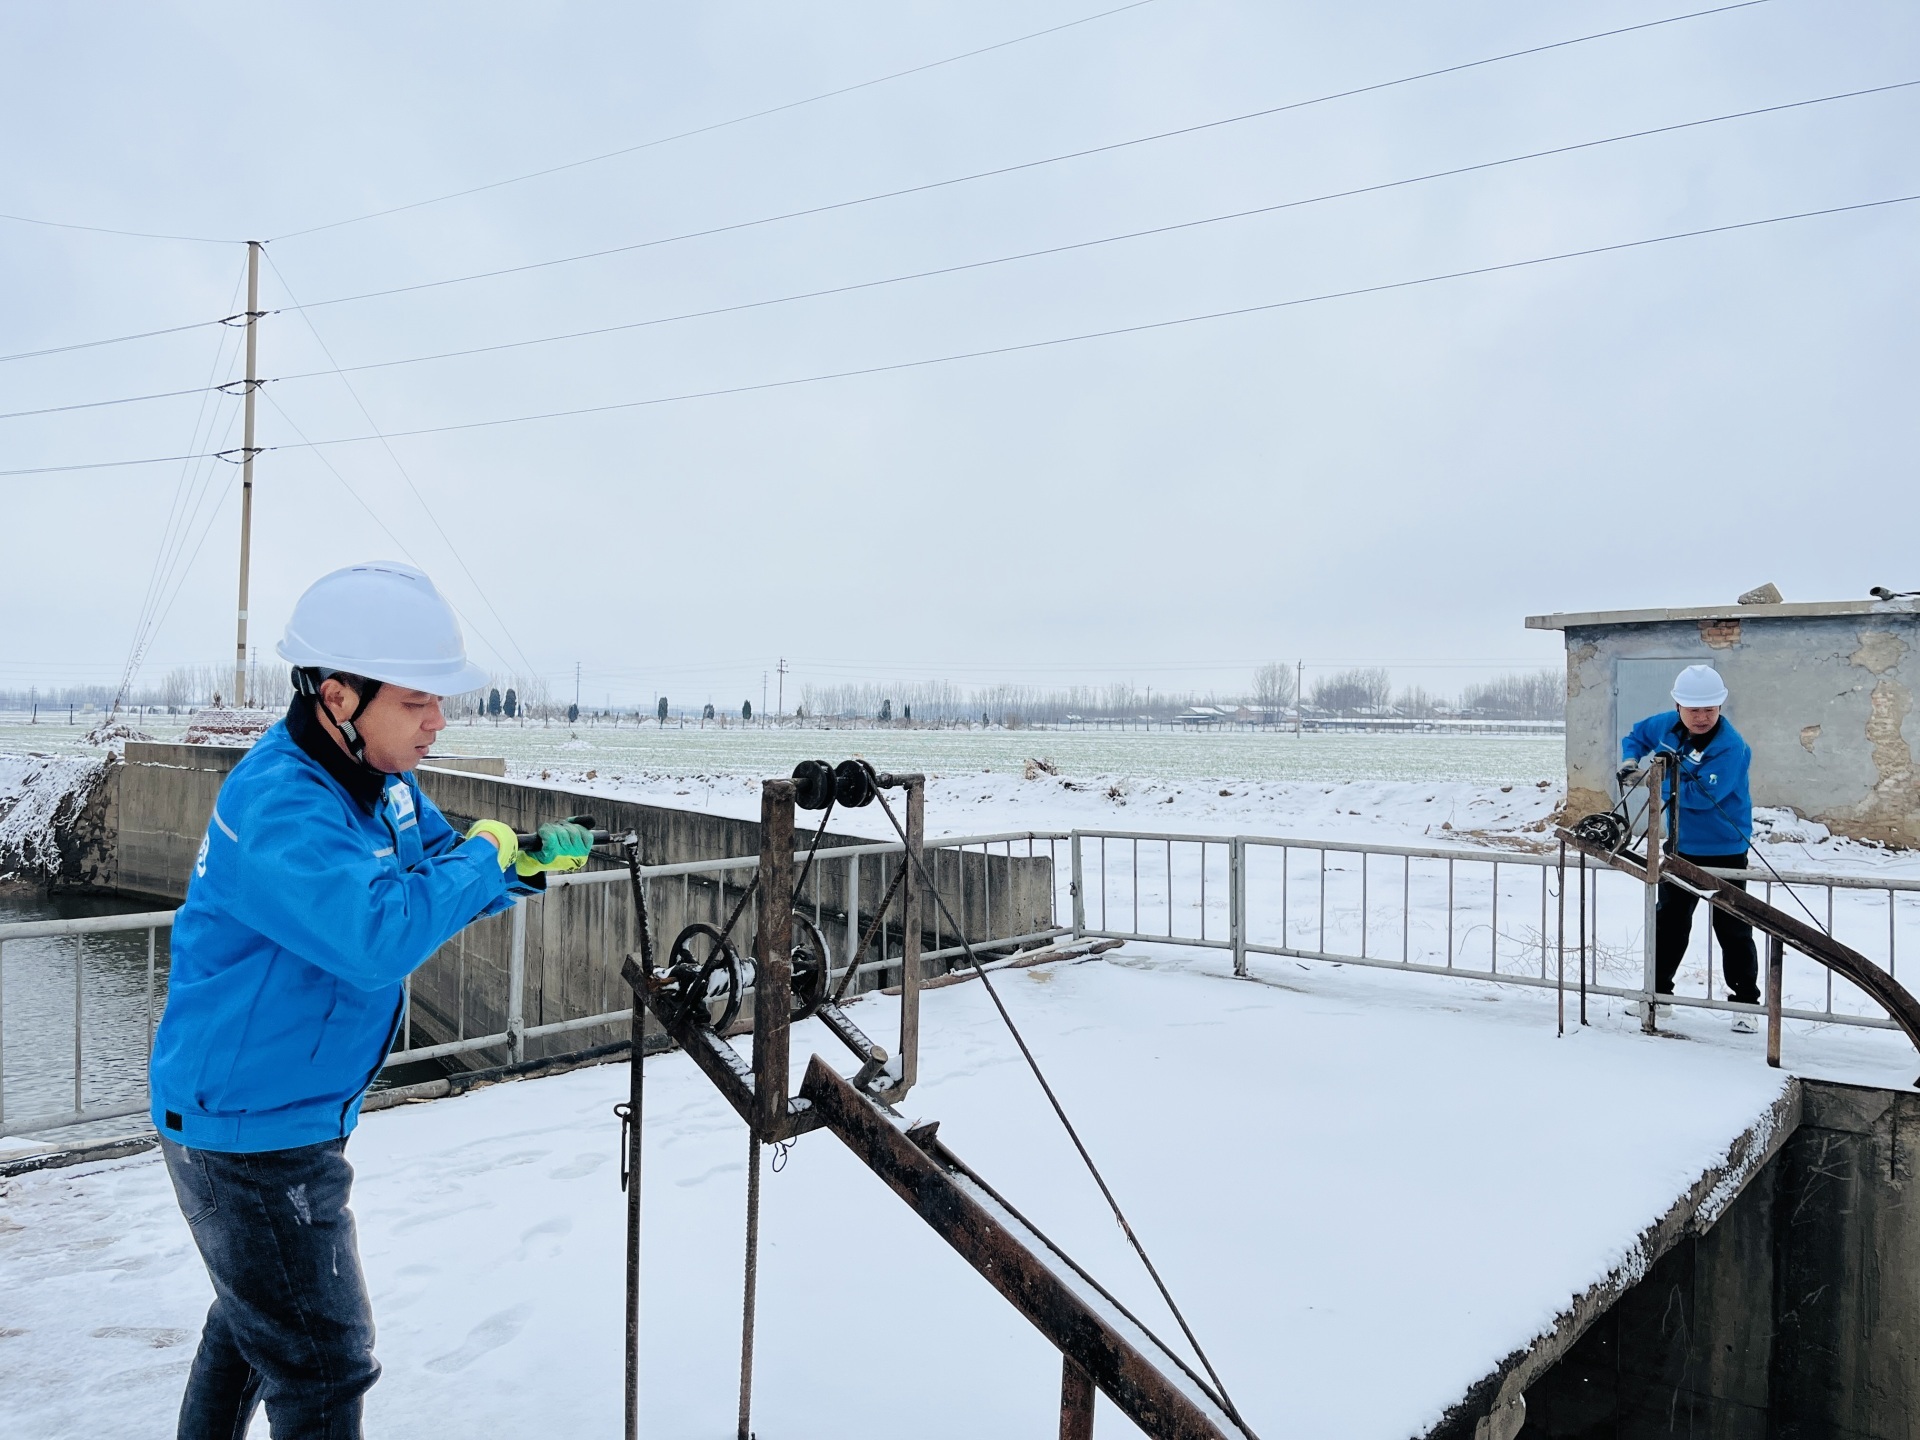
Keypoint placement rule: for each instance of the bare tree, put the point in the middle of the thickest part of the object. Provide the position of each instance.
(1273, 686)
(1352, 691)
(1529, 695)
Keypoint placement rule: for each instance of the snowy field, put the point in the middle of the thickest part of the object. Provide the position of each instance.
(1366, 1190)
(635, 751)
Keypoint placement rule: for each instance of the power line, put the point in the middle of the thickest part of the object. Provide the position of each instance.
(1018, 167)
(1131, 329)
(122, 400)
(1045, 251)
(445, 538)
(937, 184)
(110, 340)
(374, 515)
(1143, 327)
(718, 124)
(108, 230)
(168, 552)
(1071, 246)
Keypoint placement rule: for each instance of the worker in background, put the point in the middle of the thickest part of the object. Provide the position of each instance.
(325, 878)
(1707, 763)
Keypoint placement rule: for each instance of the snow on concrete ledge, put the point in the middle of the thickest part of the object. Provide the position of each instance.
(1372, 1195)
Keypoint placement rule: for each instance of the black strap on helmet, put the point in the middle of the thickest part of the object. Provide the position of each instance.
(306, 680)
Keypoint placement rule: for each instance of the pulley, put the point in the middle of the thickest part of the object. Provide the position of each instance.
(812, 967)
(853, 784)
(1606, 830)
(700, 953)
(813, 785)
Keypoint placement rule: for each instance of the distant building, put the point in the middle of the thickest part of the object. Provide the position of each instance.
(1823, 692)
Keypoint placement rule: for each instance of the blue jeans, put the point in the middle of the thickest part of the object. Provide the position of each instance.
(290, 1324)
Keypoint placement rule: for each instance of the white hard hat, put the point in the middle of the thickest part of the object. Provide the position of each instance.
(383, 620)
(1698, 687)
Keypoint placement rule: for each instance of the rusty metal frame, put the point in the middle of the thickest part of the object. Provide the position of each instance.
(1101, 1343)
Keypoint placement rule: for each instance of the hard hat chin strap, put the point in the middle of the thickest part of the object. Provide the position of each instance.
(307, 680)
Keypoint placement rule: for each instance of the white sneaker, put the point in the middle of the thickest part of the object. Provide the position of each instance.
(1743, 1025)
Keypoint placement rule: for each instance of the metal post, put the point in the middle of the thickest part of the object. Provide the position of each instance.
(1493, 934)
(773, 961)
(1560, 992)
(853, 913)
(910, 933)
(636, 1076)
(1237, 901)
(1583, 933)
(78, 976)
(1079, 890)
(517, 986)
(150, 944)
(1776, 965)
(1649, 975)
(1076, 1401)
(745, 1428)
(246, 470)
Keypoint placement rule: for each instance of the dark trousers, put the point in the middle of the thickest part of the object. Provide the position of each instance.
(291, 1325)
(1673, 925)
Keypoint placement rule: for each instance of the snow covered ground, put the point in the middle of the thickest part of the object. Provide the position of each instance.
(1365, 1188)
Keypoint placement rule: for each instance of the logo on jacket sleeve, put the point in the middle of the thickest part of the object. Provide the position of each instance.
(200, 860)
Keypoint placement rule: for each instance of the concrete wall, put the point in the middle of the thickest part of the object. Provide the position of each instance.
(151, 810)
(1796, 1315)
(1827, 702)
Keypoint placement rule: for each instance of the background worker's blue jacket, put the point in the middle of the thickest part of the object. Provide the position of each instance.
(1716, 810)
(308, 907)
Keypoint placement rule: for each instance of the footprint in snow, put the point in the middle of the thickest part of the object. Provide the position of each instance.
(557, 1227)
(490, 1334)
(159, 1339)
(581, 1165)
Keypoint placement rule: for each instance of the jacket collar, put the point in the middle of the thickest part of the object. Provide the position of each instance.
(1686, 742)
(362, 782)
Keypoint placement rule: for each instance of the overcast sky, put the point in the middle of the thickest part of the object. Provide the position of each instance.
(1398, 477)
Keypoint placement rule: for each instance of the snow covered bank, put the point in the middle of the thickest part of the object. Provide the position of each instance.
(41, 799)
(1366, 1191)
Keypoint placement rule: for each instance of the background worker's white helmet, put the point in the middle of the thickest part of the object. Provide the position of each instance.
(1698, 687)
(383, 620)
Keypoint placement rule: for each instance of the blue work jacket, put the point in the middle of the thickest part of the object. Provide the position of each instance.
(1716, 808)
(308, 907)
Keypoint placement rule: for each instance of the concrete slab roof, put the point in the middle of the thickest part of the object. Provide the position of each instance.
(1784, 611)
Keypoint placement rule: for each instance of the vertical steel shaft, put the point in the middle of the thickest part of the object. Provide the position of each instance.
(246, 470)
(744, 1430)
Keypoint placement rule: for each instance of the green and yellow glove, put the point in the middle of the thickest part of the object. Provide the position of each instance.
(563, 846)
(503, 837)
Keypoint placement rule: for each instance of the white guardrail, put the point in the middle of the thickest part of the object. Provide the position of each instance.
(1468, 914)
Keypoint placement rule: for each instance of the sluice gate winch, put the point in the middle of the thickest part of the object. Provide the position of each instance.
(706, 983)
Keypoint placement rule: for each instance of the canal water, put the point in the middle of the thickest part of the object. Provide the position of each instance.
(39, 998)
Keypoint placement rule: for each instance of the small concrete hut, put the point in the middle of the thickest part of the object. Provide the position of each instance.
(1823, 692)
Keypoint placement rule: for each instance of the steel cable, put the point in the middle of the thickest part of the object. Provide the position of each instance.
(1226, 1401)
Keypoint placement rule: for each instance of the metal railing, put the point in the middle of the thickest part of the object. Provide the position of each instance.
(78, 929)
(1469, 914)
(1453, 912)
(836, 885)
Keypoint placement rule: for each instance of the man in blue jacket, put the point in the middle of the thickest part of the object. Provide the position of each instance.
(325, 878)
(1708, 763)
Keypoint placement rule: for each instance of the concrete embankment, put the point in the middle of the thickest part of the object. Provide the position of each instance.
(1776, 1298)
(132, 825)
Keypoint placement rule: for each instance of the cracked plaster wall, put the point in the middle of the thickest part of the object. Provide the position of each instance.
(1827, 704)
